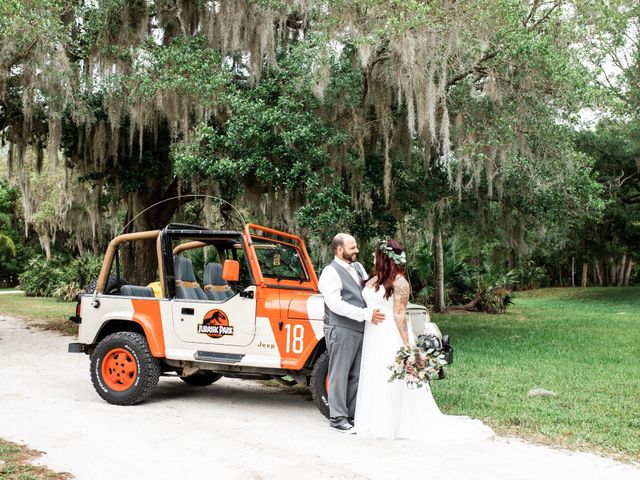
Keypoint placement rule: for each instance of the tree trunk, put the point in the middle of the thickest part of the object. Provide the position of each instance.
(140, 259)
(612, 272)
(627, 275)
(585, 272)
(96, 247)
(560, 275)
(439, 303)
(623, 270)
(45, 242)
(573, 271)
(512, 259)
(471, 306)
(598, 272)
(79, 246)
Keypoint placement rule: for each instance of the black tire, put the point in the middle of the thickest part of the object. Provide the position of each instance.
(318, 383)
(201, 379)
(135, 352)
(112, 287)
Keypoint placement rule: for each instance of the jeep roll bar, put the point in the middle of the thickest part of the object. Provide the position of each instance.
(111, 252)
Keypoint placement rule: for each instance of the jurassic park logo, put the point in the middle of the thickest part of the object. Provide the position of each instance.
(215, 324)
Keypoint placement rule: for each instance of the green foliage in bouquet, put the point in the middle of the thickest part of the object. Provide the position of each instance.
(417, 364)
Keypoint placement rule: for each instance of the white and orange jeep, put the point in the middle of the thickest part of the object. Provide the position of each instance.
(257, 314)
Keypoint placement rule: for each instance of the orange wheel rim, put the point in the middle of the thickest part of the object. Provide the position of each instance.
(119, 369)
(326, 384)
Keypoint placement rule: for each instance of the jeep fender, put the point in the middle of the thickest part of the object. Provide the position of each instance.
(146, 314)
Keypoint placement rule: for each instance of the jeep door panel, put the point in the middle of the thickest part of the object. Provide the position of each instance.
(210, 323)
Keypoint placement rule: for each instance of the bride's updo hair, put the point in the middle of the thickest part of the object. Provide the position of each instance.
(386, 269)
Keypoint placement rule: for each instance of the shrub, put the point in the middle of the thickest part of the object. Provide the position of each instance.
(494, 292)
(36, 279)
(489, 289)
(61, 277)
(529, 276)
(470, 283)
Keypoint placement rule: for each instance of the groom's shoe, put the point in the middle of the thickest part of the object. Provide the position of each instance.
(345, 427)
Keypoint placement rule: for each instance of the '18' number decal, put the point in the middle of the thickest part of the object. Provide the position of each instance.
(295, 338)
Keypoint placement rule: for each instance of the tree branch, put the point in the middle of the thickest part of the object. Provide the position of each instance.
(534, 8)
(21, 55)
(544, 17)
(381, 56)
(477, 67)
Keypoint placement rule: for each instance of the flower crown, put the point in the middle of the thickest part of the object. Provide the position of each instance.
(398, 258)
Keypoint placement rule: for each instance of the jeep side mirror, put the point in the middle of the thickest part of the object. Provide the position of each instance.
(231, 270)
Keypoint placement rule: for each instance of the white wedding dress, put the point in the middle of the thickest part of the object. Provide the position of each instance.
(396, 410)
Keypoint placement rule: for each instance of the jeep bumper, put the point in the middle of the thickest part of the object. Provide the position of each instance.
(448, 354)
(447, 349)
(77, 347)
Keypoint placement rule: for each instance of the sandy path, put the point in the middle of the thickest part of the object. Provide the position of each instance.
(234, 429)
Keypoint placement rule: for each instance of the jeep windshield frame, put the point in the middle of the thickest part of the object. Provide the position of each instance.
(256, 236)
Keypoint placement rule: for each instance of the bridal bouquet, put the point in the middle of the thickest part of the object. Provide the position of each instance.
(419, 363)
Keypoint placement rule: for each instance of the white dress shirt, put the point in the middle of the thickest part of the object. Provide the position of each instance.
(330, 286)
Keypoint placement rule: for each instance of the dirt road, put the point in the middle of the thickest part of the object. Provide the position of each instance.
(233, 429)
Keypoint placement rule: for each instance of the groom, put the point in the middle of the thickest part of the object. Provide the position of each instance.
(345, 312)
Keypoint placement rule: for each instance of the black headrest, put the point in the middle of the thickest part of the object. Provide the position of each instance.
(136, 291)
(213, 274)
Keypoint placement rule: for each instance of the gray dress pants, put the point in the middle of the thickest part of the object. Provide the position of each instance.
(345, 350)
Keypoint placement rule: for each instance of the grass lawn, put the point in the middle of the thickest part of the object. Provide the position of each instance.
(14, 464)
(46, 313)
(582, 344)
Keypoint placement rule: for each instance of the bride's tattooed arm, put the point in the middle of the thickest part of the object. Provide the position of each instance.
(401, 291)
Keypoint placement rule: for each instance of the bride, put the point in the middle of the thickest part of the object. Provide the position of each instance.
(396, 410)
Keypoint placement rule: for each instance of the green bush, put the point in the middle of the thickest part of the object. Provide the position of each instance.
(486, 287)
(529, 276)
(62, 277)
(36, 279)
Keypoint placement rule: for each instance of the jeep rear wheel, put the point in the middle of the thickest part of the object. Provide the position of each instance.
(319, 383)
(201, 379)
(123, 371)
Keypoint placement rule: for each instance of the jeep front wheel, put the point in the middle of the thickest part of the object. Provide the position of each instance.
(319, 383)
(123, 371)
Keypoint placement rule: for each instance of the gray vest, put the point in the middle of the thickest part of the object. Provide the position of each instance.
(351, 293)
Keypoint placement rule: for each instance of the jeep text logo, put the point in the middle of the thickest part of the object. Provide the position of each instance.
(215, 324)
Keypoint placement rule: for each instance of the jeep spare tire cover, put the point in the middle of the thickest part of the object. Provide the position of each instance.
(113, 285)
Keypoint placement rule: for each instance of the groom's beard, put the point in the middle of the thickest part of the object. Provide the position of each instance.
(349, 258)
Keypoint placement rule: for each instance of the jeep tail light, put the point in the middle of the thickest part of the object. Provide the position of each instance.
(76, 318)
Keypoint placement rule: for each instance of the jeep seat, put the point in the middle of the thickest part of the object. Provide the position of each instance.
(186, 284)
(216, 287)
(136, 291)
